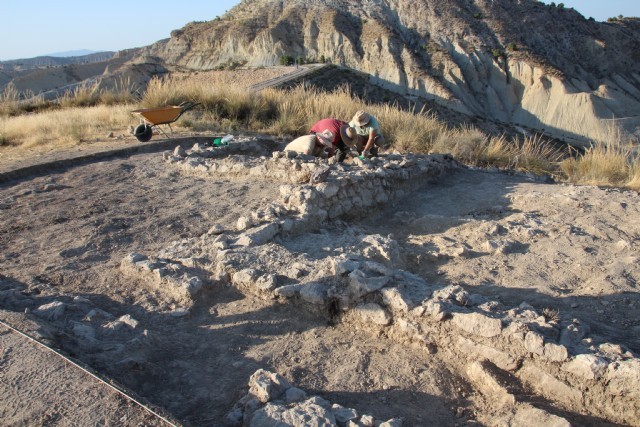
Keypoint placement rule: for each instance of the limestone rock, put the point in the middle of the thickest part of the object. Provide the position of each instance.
(314, 293)
(360, 284)
(246, 277)
(216, 229)
(267, 386)
(52, 311)
(478, 324)
(343, 415)
(482, 352)
(527, 416)
(623, 378)
(373, 313)
(588, 366)
(259, 235)
(549, 386)
(179, 152)
(306, 413)
(243, 223)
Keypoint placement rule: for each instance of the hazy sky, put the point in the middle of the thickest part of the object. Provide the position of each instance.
(31, 28)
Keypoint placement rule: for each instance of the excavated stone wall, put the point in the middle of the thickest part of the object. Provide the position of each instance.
(514, 356)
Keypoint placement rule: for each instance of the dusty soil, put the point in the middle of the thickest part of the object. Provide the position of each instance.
(64, 234)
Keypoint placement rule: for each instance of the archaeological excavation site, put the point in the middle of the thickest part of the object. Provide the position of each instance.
(244, 285)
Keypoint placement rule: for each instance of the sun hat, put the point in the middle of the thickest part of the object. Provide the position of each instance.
(325, 138)
(348, 135)
(361, 118)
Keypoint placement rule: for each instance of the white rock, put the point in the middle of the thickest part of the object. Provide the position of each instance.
(555, 352)
(266, 282)
(245, 277)
(624, 378)
(360, 284)
(343, 415)
(243, 223)
(52, 311)
(395, 422)
(396, 301)
(587, 366)
(534, 342)
(259, 235)
(295, 394)
(314, 293)
(289, 291)
(373, 313)
(482, 352)
(179, 152)
(267, 386)
(216, 229)
(478, 324)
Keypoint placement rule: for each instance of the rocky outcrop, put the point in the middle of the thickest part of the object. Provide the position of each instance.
(566, 75)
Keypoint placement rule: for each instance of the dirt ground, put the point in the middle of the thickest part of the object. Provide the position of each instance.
(64, 232)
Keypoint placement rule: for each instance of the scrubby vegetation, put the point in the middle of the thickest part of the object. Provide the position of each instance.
(88, 113)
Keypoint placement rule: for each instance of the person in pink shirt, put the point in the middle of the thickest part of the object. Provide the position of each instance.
(336, 137)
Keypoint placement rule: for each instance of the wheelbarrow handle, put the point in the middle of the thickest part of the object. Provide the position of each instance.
(187, 105)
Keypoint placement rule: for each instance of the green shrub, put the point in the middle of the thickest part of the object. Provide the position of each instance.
(286, 60)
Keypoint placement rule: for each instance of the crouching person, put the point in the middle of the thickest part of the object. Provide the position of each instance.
(327, 138)
(308, 145)
(370, 138)
(336, 135)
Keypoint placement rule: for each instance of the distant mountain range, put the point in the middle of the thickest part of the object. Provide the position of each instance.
(57, 60)
(70, 53)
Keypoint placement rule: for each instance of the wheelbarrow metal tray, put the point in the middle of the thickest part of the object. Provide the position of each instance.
(160, 115)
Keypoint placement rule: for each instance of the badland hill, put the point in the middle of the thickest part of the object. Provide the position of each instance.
(519, 62)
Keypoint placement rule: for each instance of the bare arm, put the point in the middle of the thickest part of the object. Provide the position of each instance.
(372, 138)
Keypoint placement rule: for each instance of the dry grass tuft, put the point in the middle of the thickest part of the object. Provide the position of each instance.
(607, 163)
(62, 127)
(13, 102)
(471, 146)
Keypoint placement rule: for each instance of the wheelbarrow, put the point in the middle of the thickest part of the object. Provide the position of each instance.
(154, 117)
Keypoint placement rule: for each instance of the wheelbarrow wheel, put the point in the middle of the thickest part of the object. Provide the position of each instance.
(143, 132)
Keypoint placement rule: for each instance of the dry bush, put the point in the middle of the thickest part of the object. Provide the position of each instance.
(62, 127)
(538, 156)
(408, 130)
(466, 144)
(122, 93)
(607, 163)
(9, 99)
(13, 102)
(634, 181)
(83, 95)
(471, 146)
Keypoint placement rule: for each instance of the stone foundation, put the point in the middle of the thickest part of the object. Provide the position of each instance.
(555, 361)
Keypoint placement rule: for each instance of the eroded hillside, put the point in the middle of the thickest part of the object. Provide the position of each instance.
(537, 66)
